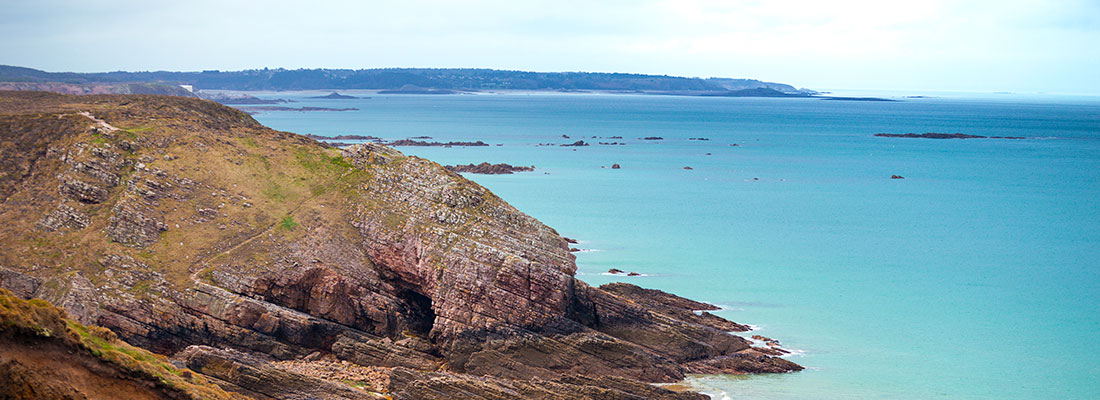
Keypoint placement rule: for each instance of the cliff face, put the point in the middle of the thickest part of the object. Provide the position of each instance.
(44, 355)
(177, 222)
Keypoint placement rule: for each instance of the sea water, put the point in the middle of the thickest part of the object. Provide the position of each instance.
(975, 277)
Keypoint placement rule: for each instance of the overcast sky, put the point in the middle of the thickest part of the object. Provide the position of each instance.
(1004, 45)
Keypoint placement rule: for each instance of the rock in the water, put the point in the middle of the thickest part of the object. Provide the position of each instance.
(490, 169)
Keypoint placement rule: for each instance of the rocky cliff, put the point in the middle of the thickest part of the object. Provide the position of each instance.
(187, 228)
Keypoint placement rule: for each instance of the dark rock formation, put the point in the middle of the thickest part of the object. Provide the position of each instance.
(688, 168)
(490, 169)
(227, 234)
(334, 95)
(342, 137)
(408, 142)
(615, 166)
(896, 177)
(579, 143)
(653, 138)
(933, 135)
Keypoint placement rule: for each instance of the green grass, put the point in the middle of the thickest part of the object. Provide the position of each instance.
(288, 223)
(275, 192)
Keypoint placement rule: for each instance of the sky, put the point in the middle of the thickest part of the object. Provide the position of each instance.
(1023, 46)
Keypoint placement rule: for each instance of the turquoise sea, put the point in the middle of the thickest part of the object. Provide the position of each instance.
(975, 277)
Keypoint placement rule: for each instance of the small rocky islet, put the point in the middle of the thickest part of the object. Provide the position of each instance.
(248, 262)
(489, 169)
(934, 135)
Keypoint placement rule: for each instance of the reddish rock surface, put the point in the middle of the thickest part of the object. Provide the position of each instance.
(224, 233)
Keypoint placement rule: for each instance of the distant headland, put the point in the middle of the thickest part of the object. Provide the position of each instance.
(213, 84)
(391, 80)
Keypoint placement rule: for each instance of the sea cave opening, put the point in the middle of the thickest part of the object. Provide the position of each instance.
(419, 314)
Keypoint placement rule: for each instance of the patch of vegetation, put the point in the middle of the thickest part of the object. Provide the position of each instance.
(275, 192)
(394, 221)
(341, 162)
(288, 223)
(142, 287)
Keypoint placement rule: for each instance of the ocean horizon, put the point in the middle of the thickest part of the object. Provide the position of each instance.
(977, 276)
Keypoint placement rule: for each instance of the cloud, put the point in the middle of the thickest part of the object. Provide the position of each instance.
(933, 44)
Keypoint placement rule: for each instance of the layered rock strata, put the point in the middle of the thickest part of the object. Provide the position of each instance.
(189, 224)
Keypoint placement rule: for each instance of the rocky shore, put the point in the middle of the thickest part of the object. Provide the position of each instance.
(410, 142)
(264, 262)
(490, 169)
(342, 137)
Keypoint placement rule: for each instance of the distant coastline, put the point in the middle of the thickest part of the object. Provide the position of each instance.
(403, 81)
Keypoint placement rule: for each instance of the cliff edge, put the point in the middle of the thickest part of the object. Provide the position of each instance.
(189, 229)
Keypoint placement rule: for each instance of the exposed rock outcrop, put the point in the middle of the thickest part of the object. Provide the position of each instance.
(490, 169)
(270, 247)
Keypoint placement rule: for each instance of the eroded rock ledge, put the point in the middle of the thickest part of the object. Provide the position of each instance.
(268, 247)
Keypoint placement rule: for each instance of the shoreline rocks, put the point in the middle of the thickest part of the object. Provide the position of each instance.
(489, 169)
(342, 137)
(409, 142)
(333, 95)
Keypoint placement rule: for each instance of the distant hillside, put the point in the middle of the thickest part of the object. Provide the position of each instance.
(396, 78)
